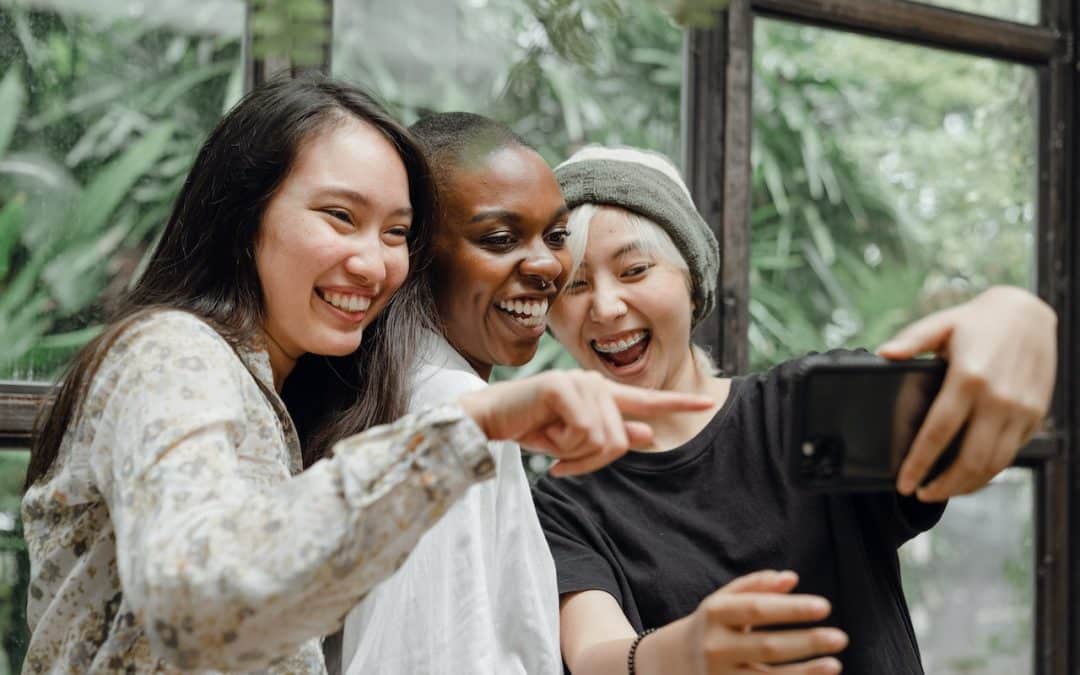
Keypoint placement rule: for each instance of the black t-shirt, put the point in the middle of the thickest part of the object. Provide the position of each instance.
(661, 531)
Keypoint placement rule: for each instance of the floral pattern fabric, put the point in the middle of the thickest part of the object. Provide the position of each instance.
(175, 531)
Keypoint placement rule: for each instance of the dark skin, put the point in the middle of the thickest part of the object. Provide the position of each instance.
(500, 241)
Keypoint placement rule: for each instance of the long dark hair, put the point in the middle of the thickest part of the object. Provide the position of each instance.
(205, 264)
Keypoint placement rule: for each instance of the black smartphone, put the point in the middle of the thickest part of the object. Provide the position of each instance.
(854, 416)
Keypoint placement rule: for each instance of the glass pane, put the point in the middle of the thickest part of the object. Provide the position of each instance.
(560, 74)
(103, 105)
(890, 181)
(14, 563)
(1022, 11)
(970, 582)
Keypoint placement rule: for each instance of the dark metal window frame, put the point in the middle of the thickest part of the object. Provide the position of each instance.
(717, 126)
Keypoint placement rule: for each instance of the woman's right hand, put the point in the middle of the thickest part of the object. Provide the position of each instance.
(719, 637)
(579, 418)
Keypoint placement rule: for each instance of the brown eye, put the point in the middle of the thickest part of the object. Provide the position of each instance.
(557, 238)
(339, 214)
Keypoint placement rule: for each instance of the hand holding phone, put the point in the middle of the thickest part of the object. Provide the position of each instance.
(1002, 352)
(854, 417)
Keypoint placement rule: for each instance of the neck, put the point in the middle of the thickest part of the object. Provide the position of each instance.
(482, 369)
(671, 431)
(281, 362)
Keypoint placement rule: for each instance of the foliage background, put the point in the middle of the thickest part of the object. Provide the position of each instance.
(887, 182)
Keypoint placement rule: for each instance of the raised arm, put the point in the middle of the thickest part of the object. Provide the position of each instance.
(1002, 352)
(717, 639)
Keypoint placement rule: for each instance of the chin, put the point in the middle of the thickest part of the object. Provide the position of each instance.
(518, 358)
(337, 347)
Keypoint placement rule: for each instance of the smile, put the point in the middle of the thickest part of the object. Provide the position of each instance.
(346, 302)
(623, 349)
(529, 312)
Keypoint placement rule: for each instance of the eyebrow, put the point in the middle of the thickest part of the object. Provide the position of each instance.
(629, 247)
(359, 198)
(625, 249)
(512, 216)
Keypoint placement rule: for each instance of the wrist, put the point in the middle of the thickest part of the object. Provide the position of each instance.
(631, 655)
(663, 651)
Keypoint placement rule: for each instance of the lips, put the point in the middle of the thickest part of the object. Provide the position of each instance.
(622, 349)
(528, 312)
(350, 303)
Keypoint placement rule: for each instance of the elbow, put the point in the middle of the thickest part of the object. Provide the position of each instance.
(216, 649)
(193, 628)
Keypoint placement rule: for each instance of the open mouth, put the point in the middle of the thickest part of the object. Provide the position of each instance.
(624, 349)
(529, 312)
(346, 302)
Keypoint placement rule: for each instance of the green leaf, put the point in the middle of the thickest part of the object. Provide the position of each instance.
(11, 222)
(12, 99)
(111, 185)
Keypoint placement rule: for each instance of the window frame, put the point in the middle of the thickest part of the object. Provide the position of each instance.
(717, 127)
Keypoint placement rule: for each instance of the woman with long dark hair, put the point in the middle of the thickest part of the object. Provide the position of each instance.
(168, 521)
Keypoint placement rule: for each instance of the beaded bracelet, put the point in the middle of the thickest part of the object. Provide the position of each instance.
(633, 650)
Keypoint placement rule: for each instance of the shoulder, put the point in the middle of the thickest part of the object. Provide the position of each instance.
(168, 349)
(169, 329)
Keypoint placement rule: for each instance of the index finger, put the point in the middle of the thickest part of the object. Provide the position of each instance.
(650, 402)
(943, 421)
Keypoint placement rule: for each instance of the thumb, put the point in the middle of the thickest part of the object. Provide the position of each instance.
(929, 334)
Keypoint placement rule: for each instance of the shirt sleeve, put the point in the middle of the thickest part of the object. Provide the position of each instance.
(898, 518)
(223, 572)
(577, 545)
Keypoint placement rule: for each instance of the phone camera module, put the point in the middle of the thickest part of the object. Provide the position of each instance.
(822, 457)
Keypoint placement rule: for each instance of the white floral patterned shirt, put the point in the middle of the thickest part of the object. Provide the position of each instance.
(175, 531)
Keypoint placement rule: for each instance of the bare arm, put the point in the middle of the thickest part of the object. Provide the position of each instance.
(714, 640)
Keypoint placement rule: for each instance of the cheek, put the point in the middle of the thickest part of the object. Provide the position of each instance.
(566, 319)
(397, 267)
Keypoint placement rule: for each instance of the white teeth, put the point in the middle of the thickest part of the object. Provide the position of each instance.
(348, 303)
(620, 345)
(534, 310)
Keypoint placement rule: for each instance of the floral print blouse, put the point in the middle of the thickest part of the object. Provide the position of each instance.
(175, 531)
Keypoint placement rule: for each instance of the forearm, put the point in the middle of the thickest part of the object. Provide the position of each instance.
(237, 576)
(659, 653)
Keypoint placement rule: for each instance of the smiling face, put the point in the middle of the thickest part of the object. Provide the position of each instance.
(500, 256)
(627, 311)
(331, 247)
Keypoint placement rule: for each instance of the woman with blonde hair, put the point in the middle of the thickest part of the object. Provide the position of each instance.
(642, 545)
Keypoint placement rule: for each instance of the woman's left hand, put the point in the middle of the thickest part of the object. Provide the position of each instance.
(1002, 352)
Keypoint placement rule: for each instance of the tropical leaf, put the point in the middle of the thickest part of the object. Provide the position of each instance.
(110, 186)
(12, 99)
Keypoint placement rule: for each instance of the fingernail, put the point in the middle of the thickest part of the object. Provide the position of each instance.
(888, 346)
(838, 638)
(905, 485)
(818, 605)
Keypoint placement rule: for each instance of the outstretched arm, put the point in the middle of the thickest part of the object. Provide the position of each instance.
(1002, 352)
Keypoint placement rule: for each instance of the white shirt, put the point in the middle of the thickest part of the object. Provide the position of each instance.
(478, 593)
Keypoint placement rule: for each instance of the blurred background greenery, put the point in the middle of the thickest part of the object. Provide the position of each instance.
(888, 181)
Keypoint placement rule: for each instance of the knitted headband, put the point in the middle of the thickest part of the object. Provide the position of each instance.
(650, 193)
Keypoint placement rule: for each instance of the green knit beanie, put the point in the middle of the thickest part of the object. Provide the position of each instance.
(651, 193)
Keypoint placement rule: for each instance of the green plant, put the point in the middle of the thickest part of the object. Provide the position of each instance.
(96, 134)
